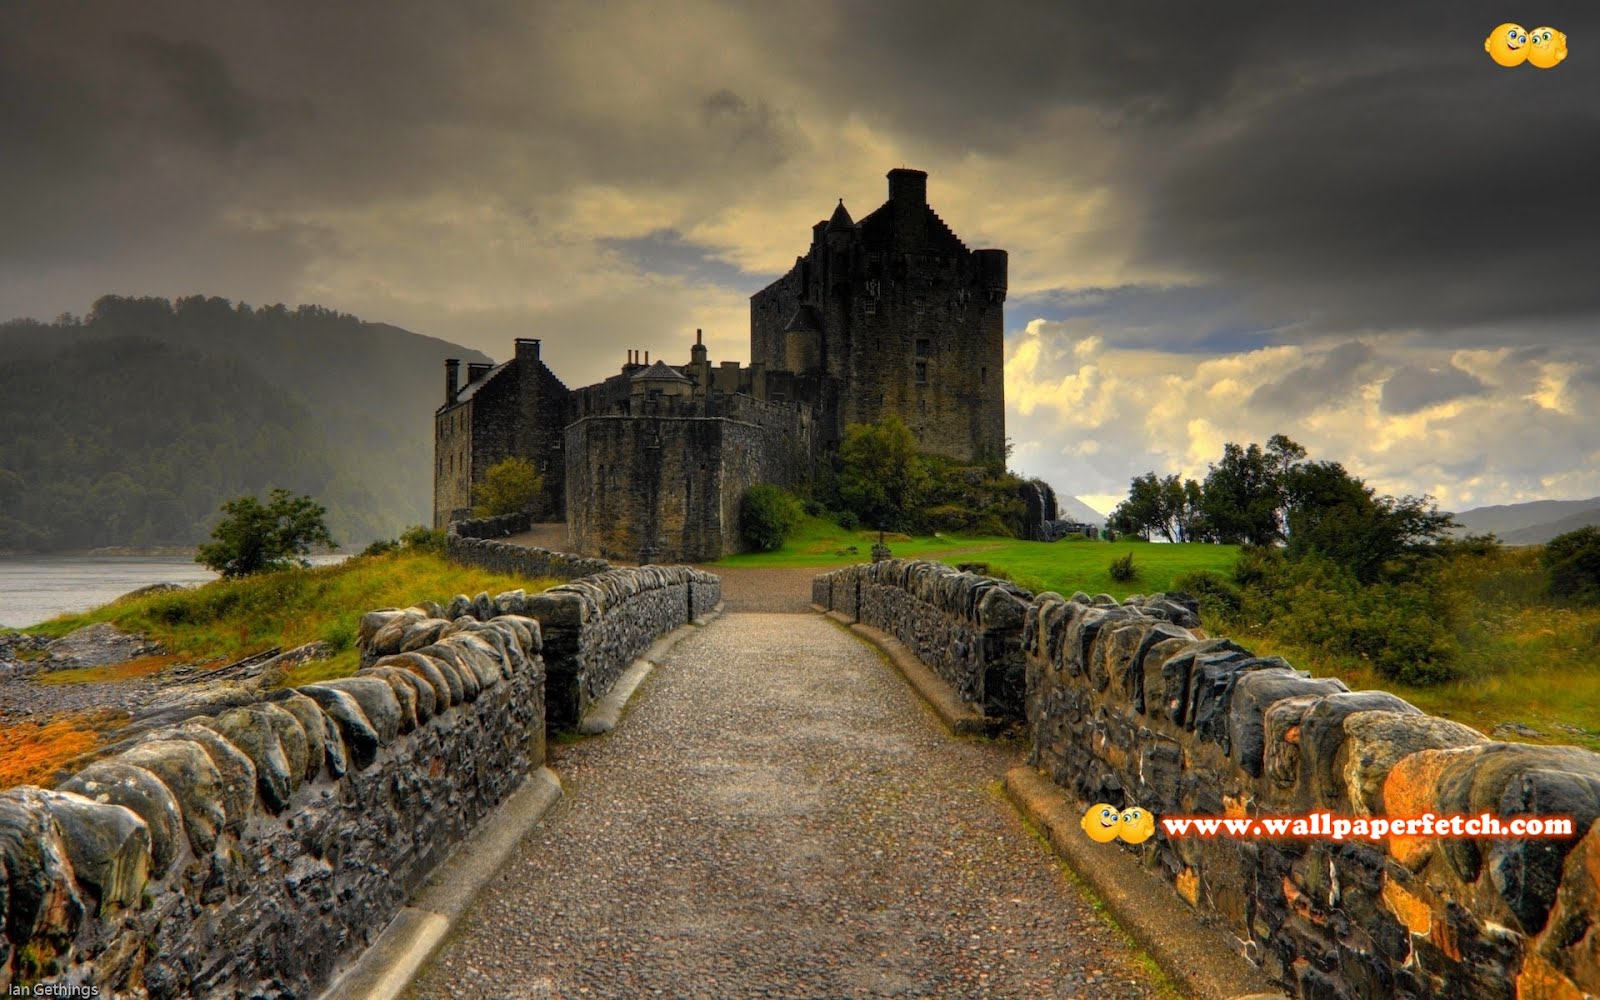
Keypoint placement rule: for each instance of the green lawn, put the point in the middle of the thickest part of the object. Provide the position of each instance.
(1061, 566)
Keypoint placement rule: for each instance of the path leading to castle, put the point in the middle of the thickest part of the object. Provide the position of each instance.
(778, 815)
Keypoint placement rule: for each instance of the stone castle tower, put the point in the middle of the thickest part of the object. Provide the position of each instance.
(892, 315)
(903, 316)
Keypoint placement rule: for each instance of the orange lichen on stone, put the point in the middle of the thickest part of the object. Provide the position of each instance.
(1411, 910)
(32, 752)
(1189, 886)
(1235, 807)
(1412, 789)
(1539, 980)
(1291, 735)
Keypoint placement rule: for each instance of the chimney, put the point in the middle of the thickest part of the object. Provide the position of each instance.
(452, 376)
(476, 371)
(527, 349)
(908, 186)
(647, 357)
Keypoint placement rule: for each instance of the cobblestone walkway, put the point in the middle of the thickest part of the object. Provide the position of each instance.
(779, 816)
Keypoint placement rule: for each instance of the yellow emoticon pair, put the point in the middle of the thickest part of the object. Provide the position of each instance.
(1513, 45)
(1104, 824)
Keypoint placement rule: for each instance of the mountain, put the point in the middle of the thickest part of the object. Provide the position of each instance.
(1530, 523)
(1538, 534)
(131, 425)
(1073, 509)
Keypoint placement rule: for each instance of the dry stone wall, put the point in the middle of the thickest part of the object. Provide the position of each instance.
(249, 853)
(595, 627)
(478, 543)
(967, 628)
(1126, 705)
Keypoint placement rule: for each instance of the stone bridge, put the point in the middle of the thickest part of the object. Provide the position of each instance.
(780, 814)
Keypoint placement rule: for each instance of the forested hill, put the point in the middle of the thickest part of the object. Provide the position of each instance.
(131, 425)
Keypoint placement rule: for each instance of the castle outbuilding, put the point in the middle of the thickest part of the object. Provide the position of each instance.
(891, 315)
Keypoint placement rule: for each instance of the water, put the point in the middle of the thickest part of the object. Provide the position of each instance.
(36, 588)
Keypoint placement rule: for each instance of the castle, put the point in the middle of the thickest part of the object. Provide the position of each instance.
(891, 315)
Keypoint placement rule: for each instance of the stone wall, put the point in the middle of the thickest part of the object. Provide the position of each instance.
(1126, 705)
(476, 543)
(249, 853)
(595, 627)
(967, 628)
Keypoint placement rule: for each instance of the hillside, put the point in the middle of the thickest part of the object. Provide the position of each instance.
(130, 426)
(1530, 523)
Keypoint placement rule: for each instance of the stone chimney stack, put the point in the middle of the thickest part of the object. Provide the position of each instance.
(908, 187)
(452, 379)
(527, 349)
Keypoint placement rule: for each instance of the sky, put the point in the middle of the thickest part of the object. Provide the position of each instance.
(1341, 222)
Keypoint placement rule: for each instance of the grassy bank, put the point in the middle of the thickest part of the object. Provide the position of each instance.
(230, 619)
(1523, 658)
(1063, 566)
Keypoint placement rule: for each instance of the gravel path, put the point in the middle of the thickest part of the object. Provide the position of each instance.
(779, 816)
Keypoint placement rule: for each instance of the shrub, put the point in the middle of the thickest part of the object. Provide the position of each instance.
(849, 521)
(813, 507)
(1572, 565)
(1258, 566)
(422, 538)
(767, 516)
(1122, 569)
(1216, 593)
(380, 547)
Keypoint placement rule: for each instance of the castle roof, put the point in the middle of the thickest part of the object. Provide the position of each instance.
(471, 388)
(661, 372)
(804, 320)
(841, 219)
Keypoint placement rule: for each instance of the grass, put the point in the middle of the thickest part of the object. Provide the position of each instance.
(231, 619)
(1064, 566)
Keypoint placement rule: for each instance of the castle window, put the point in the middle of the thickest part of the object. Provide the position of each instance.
(983, 374)
(924, 347)
(922, 373)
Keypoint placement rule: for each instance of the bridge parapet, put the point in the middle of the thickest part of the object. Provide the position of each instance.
(249, 852)
(1125, 704)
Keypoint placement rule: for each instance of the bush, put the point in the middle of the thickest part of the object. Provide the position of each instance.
(1122, 569)
(1572, 565)
(767, 516)
(813, 507)
(422, 538)
(381, 547)
(849, 521)
(1216, 593)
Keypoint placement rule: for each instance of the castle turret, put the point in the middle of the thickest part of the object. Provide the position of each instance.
(803, 340)
(452, 380)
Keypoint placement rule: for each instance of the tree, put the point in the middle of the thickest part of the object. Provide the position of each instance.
(1335, 515)
(512, 486)
(881, 476)
(1243, 495)
(1170, 506)
(257, 538)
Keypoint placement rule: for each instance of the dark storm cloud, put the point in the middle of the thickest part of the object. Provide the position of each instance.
(1411, 388)
(1364, 165)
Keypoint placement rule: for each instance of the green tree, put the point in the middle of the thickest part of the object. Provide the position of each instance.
(509, 487)
(1243, 493)
(882, 479)
(767, 516)
(1572, 565)
(256, 538)
(1335, 515)
(1171, 507)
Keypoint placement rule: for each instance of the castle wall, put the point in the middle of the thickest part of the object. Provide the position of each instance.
(1126, 705)
(452, 458)
(667, 486)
